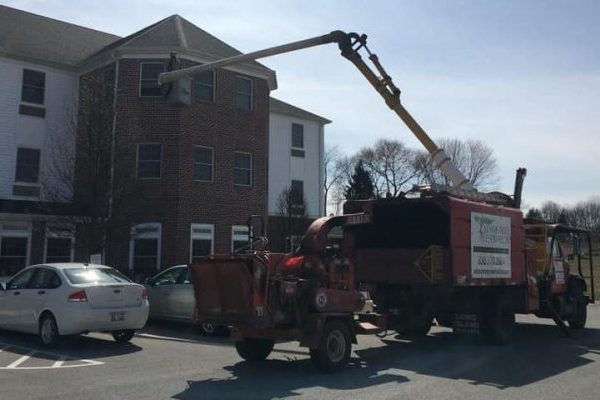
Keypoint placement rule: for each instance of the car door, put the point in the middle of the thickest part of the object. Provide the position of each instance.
(11, 304)
(159, 293)
(181, 301)
(36, 296)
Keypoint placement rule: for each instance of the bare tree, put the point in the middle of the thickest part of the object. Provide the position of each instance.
(391, 165)
(81, 165)
(345, 167)
(333, 173)
(473, 158)
(291, 208)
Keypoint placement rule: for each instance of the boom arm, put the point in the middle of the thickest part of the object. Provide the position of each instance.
(349, 44)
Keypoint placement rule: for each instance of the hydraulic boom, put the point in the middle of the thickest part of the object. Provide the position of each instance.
(350, 44)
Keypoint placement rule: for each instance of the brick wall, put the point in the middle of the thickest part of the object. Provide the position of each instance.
(175, 200)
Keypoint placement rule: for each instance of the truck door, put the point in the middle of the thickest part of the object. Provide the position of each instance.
(558, 266)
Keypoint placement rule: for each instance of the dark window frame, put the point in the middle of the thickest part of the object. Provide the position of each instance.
(295, 136)
(212, 86)
(54, 258)
(142, 79)
(297, 192)
(235, 168)
(202, 236)
(250, 94)
(200, 163)
(139, 160)
(25, 85)
(19, 175)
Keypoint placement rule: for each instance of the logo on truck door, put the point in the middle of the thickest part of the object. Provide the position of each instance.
(490, 246)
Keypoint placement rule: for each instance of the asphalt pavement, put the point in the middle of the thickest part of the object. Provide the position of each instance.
(174, 361)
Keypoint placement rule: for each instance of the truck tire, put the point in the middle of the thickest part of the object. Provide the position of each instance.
(254, 349)
(334, 348)
(498, 320)
(415, 321)
(576, 291)
(445, 319)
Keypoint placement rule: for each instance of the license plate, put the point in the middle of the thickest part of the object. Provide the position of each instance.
(117, 316)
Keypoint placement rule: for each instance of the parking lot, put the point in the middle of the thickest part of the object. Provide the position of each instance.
(168, 360)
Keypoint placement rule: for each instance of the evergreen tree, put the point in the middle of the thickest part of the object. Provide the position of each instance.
(360, 185)
(534, 214)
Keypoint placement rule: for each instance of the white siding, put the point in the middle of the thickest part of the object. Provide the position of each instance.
(283, 168)
(17, 130)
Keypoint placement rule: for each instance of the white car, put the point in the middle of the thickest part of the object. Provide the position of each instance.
(72, 298)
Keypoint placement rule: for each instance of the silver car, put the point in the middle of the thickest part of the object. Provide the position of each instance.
(171, 295)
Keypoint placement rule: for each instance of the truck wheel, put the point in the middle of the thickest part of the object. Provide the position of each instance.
(334, 348)
(445, 319)
(578, 320)
(254, 349)
(499, 320)
(416, 321)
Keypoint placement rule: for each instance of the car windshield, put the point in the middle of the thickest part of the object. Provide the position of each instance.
(95, 275)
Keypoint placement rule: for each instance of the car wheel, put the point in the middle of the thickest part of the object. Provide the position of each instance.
(123, 336)
(208, 329)
(49, 330)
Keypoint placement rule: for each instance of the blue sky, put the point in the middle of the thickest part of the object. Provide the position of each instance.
(522, 76)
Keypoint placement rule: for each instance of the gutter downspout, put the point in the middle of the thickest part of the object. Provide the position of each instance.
(113, 145)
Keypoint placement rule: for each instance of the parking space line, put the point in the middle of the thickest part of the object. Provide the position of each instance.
(20, 360)
(58, 363)
(61, 359)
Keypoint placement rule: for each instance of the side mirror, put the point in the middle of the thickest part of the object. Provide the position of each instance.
(149, 281)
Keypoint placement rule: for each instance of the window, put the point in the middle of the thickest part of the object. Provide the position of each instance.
(34, 84)
(14, 248)
(144, 250)
(28, 165)
(205, 86)
(44, 278)
(242, 174)
(22, 280)
(298, 136)
(171, 277)
(78, 276)
(59, 245)
(243, 94)
(202, 241)
(203, 164)
(239, 237)
(297, 193)
(149, 86)
(149, 160)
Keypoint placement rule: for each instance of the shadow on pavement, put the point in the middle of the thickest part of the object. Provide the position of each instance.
(285, 379)
(537, 352)
(182, 332)
(82, 347)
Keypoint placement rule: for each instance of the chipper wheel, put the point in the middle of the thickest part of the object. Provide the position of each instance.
(334, 348)
(254, 349)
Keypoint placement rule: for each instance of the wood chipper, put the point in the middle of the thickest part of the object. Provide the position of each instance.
(463, 257)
